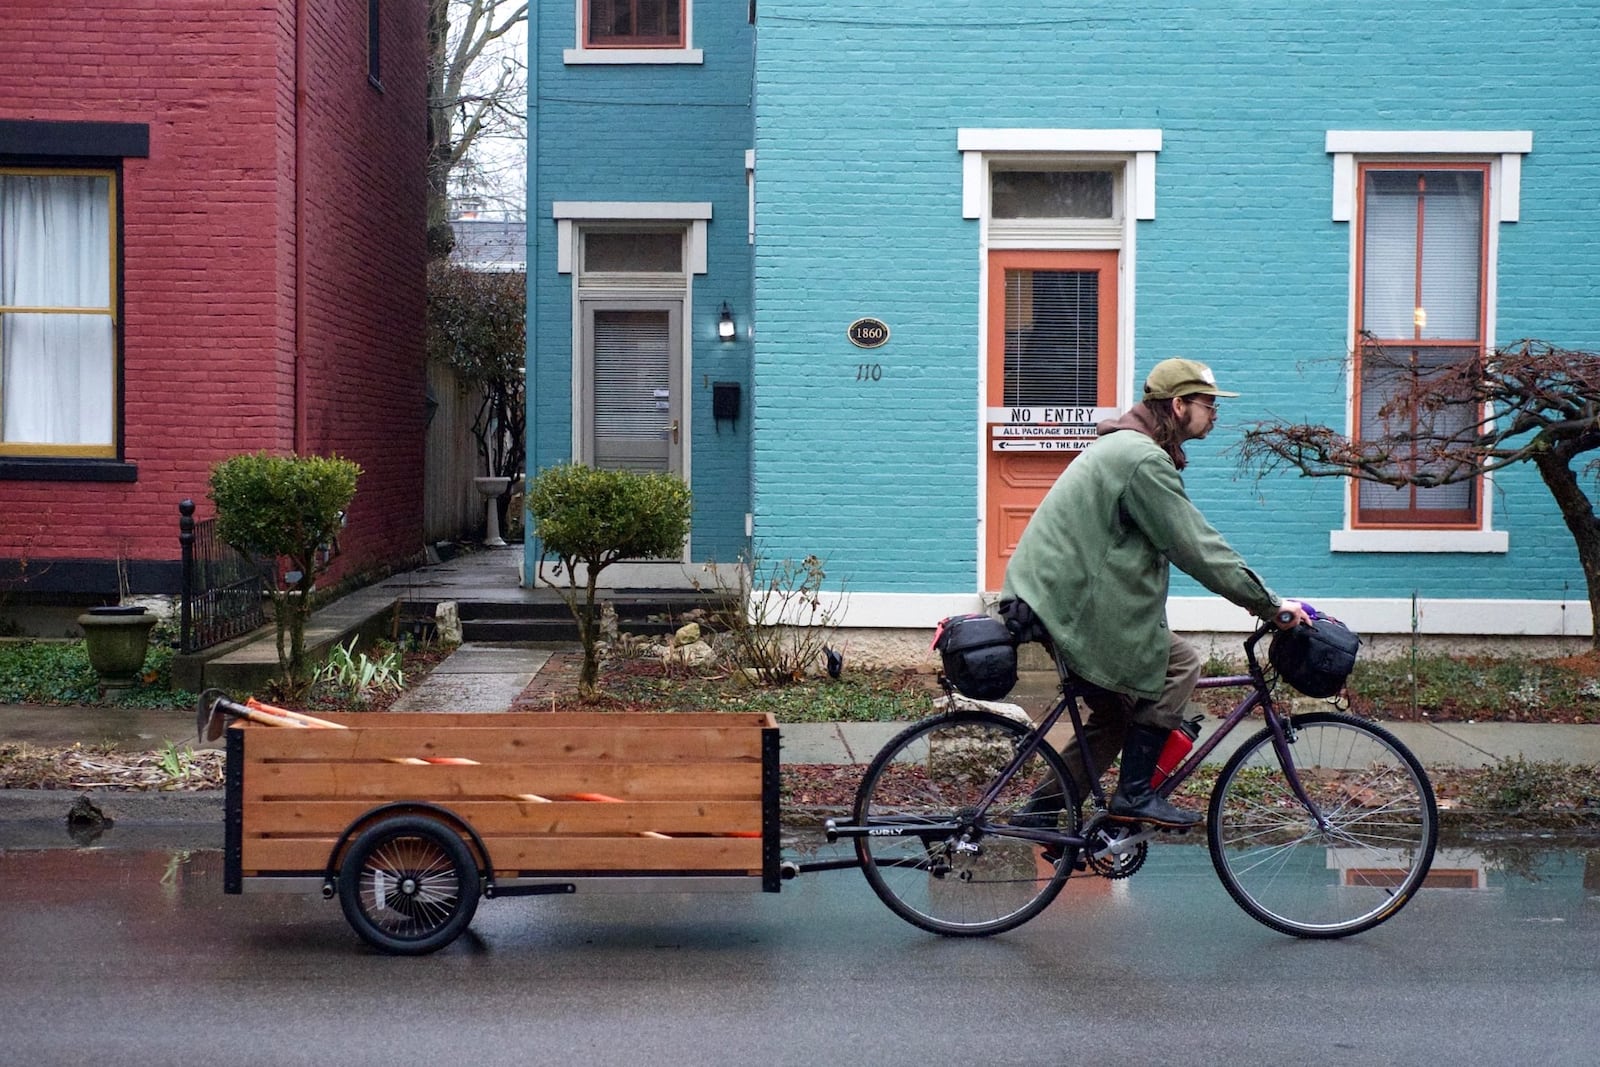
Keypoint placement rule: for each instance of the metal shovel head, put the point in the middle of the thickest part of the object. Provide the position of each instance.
(208, 720)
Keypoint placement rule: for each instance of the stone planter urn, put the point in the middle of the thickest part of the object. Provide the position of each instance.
(117, 639)
(490, 489)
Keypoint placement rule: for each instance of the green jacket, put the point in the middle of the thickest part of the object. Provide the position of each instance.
(1093, 561)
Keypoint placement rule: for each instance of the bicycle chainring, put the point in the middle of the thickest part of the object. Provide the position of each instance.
(1113, 866)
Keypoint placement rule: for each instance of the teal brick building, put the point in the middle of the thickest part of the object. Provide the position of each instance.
(1039, 208)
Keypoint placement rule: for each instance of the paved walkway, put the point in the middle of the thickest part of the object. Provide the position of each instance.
(477, 676)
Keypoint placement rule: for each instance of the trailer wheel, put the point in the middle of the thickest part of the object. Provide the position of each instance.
(408, 885)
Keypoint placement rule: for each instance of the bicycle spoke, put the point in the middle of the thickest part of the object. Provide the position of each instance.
(977, 877)
(1349, 867)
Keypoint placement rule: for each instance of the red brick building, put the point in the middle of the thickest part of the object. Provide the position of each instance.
(211, 242)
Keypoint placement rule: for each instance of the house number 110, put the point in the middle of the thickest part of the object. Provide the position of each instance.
(869, 372)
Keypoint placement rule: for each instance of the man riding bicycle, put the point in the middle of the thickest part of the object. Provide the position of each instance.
(1093, 566)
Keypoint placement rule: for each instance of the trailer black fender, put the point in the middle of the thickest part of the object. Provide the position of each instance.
(330, 874)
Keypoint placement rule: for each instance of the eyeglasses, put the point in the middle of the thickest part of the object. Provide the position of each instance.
(1205, 401)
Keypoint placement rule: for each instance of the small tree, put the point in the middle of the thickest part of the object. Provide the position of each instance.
(476, 326)
(1527, 402)
(590, 517)
(285, 508)
(477, 91)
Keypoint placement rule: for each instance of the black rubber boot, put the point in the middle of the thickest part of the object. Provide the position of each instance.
(1135, 799)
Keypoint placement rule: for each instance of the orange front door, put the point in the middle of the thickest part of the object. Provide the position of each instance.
(1052, 373)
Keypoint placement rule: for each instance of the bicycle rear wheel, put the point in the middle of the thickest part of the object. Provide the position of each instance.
(1358, 870)
(965, 878)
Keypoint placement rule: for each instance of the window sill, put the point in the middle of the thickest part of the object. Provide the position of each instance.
(631, 56)
(67, 470)
(1496, 541)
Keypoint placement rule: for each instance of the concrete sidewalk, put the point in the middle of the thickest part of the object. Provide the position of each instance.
(483, 677)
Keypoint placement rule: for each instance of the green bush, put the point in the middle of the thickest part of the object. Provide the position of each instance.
(58, 672)
(285, 507)
(592, 518)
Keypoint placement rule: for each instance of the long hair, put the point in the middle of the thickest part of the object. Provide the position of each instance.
(1166, 431)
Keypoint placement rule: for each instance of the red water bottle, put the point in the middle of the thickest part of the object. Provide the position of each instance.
(1179, 742)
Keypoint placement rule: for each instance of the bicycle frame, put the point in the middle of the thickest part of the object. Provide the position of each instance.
(1259, 697)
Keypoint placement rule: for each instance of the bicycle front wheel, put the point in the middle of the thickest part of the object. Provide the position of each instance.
(1361, 864)
(964, 876)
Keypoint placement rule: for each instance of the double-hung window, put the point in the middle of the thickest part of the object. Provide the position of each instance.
(634, 24)
(1421, 310)
(634, 31)
(58, 328)
(1425, 209)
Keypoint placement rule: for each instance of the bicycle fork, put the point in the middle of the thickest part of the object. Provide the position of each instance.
(1283, 735)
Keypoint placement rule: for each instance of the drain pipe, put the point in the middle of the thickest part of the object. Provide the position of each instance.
(532, 552)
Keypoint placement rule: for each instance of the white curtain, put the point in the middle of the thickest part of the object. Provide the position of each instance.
(55, 252)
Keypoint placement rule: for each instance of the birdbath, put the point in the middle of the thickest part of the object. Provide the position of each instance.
(491, 488)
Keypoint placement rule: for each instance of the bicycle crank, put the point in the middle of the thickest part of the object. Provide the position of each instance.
(1122, 851)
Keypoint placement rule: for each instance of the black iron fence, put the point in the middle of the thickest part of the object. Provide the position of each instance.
(224, 591)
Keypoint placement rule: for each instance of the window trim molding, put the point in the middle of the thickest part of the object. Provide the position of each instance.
(99, 140)
(570, 213)
(375, 44)
(584, 54)
(1508, 145)
(1502, 150)
(1140, 145)
(1372, 539)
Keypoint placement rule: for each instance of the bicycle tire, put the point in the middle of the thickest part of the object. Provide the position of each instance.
(935, 772)
(1383, 826)
(409, 885)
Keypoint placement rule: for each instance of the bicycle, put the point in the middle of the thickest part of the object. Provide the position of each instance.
(1321, 825)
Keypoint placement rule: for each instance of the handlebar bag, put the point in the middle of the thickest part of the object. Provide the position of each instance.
(1315, 659)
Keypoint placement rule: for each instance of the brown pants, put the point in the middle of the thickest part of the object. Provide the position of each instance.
(1110, 713)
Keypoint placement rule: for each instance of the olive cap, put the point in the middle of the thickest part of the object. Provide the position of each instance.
(1181, 377)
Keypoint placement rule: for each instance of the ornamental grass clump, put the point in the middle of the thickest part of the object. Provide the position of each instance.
(589, 518)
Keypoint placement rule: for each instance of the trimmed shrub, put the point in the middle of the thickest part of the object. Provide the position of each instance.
(285, 508)
(590, 518)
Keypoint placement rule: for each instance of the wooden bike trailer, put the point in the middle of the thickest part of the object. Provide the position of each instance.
(546, 802)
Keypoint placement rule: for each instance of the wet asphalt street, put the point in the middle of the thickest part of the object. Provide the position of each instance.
(135, 956)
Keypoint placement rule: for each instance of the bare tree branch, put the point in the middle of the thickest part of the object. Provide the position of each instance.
(1528, 402)
(475, 90)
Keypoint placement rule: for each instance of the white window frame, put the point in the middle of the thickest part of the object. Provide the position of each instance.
(571, 216)
(581, 54)
(1130, 152)
(1503, 151)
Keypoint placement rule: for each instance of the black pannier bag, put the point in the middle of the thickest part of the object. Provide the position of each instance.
(979, 655)
(1315, 659)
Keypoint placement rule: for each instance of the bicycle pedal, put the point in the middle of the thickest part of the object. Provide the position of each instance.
(1052, 857)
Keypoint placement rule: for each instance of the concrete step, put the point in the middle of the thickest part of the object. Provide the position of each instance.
(565, 630)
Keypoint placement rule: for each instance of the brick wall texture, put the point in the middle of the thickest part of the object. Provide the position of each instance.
(209, 256)
(859, 212)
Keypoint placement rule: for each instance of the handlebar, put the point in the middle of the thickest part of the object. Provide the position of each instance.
(1261, 631)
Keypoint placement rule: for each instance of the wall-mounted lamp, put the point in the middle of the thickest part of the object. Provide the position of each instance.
(725, 327)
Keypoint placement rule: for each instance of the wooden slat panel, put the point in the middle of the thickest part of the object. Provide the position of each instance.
(626, 854)
(497, 744)
(392, 781)
(537, 854)
(303, 818)
(303, 855)
(547, 719)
